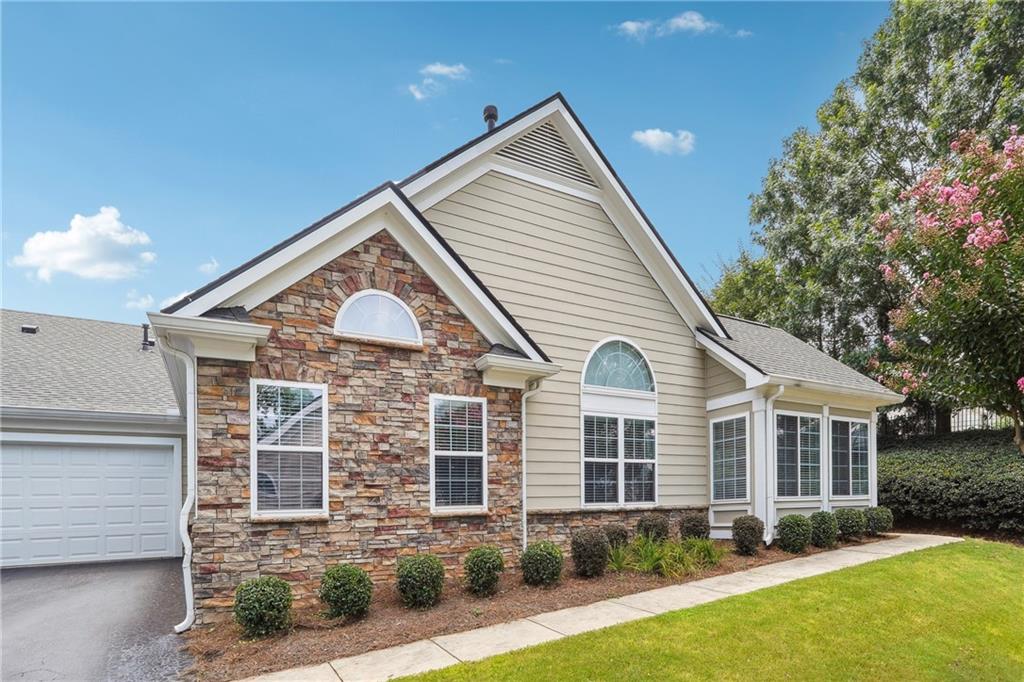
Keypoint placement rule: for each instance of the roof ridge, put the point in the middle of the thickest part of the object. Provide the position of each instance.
(743, 319)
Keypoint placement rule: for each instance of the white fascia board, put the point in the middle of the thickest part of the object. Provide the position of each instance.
(509, 372)
(871, 398)
(89, 420)
(212, 337)
(751, 375)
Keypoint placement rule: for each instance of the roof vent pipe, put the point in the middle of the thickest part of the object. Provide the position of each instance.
(490, 116)
(147, 342)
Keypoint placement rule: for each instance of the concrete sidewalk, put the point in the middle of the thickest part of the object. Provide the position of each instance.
(441, 652)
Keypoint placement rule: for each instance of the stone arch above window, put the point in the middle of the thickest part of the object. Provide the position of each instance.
(378, 316)
(617, 363)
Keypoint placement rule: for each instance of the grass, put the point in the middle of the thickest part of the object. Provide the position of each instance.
(951, 612)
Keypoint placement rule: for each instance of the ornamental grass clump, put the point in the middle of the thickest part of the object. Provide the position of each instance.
(263, 606)
(747, 533)
(541, 563)
(851, 523)
(617, 534)
(590, 552)
(693, 523)
(346, 590)
(824, 530)
(879, 520)
(653, 527)
(706, 554)
(483, 566)
(794, 533)
(420, 580)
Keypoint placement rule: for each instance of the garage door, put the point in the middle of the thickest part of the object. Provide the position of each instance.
(84, 501)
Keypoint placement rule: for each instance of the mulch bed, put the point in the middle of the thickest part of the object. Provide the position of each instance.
(220, 654)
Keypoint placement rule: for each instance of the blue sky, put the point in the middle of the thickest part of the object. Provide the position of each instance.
(212, 131)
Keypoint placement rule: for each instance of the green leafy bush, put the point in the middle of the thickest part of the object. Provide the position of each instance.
(851, 522)
(346, 591)
(541, 563)
(263, 606)
(706, 554)
(617, 534)
(420, 580)
(794, 533)
(879, 520)
(484, 566)
(653, 526)
(973, 479)
(747, 534)
(693, 523)
(824, 531)
(590, 549)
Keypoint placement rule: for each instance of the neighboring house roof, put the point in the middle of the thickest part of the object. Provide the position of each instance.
(76, 364)
(776, 353)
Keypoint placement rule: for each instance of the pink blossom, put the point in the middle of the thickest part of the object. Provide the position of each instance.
(892, 237)
(906, 390)
(976, 217)
(907, 375)
(883, 220)
(1020, 384)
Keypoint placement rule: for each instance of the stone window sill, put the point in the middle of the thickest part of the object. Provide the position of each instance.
(387, 343)
(303, 518)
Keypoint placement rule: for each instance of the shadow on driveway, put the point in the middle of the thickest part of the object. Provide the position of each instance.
(92, 622)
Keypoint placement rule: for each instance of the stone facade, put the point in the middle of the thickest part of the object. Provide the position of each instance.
(378, 412)
(558, 526)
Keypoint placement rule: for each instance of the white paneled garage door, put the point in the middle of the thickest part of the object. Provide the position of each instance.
(82, 500)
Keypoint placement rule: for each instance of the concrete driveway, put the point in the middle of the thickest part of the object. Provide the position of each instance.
(92, 622)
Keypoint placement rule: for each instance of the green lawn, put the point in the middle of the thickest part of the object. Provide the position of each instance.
(951, 612)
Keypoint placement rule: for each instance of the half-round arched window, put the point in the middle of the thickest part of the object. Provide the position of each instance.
(618, 364)
(378, 315)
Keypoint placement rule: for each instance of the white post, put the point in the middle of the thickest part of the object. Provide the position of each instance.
(873, 458)
(757, 485)
(826, 459)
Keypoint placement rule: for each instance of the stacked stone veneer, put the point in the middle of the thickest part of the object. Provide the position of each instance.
(558, 526)
(378, 412)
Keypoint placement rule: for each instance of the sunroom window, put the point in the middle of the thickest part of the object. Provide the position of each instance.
(849, 457)
(378, 315)
(798, 455)
(729, 459)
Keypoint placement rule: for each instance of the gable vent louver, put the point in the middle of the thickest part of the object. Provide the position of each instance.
(544, 148)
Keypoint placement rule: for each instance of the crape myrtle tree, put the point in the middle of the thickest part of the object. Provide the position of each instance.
(954, 244)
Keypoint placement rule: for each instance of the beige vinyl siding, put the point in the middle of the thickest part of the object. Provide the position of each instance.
(721, 380)
(567, 275)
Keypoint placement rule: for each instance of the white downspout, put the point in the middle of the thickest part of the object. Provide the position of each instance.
(190, 496)
(522, 455)
(770, 445)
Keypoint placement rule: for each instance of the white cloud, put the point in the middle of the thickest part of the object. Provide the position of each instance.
(173, 299)
(456, 72)
(635, 29)
(743, 33)
(664, 142)
(688, 22)
(138, 301)
(209, 267)
(93, 247)
(434, 77)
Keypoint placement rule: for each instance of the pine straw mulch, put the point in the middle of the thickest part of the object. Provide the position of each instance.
(221, 655)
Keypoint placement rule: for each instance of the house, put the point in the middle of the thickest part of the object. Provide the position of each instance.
(498, 349)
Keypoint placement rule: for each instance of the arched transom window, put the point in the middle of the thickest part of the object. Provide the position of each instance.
(378, 315)
(618, 364)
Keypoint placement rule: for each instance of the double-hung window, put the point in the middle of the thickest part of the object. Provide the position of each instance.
(849, 457)
(619, 460)
(288, 468)
(458, 453)
(729, 458)
(797, 455)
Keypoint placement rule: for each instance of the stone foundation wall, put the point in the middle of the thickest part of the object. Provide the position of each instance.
(557, 526)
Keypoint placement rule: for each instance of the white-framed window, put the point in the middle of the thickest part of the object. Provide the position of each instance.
(797, 454)
(850, 454)
(458, 453)
(620, 458)
(729, 458)
(618, 364)
(288, 448)
(377, 315)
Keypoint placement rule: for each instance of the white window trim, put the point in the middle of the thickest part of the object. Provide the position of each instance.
(799, 480)
(390, 340)
(831, 453)
(711, 457)
(254, 511)
(620, 461)
(449, 509)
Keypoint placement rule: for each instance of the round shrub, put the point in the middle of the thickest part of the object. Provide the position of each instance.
(484, 566)
(794, 533)
(879, 520)
(263, 606)
(693, 523)
(617, 534)
(851, 522)
(541, 563)
(653, 527)
(346, 590)
(747, 533)
(824, 530)
(420, 580)
(590, 552)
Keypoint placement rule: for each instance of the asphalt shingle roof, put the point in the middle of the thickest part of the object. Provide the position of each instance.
(776, 352)
(77, 364)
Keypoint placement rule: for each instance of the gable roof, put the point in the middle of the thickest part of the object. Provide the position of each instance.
(76, 364)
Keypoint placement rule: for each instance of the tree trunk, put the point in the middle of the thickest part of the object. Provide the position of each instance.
(1018, 436)
(943, 417)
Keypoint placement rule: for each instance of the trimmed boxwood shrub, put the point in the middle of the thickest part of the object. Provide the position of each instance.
(484, 566)
(879, 520)
(346, 591)
(420, 580)
(693, 523)
(973, 479)
(747, 534)
(541, 563)
(824, 530)
(617, 534)
(851, 522)
(263, 606)
(590, 552)
(794, 532)
(653, 527)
